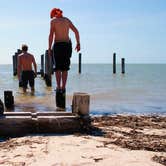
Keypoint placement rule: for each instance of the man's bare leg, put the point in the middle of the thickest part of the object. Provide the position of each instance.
(64, 79)
(58, 78)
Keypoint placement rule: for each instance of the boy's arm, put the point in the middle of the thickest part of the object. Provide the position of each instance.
(50, 39)
(77, 36)
(34, 65)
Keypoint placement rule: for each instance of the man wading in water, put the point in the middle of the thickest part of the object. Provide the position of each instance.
(62, 46)
(24, 69)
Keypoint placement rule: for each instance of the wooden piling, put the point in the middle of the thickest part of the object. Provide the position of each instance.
(15, 59)
(19, 51)
(79, 63)
(14, 66)
(80, 103)
(19, 124)
(61, 98)
(42, 66)
(114, 63)
(8, 99)
(17, 54)
(123, 65)
(15, 62)
(48, 69)
(1, 107)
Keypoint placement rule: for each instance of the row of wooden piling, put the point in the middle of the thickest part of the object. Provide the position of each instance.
(80, 102)
(47, 66)
(122, 64)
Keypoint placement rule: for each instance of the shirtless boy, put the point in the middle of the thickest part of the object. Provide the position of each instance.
(62, 46)
(24, 69)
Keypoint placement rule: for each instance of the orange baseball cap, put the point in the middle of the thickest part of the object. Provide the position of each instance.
(55, 12)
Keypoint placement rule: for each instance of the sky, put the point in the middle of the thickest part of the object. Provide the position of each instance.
(133, 29)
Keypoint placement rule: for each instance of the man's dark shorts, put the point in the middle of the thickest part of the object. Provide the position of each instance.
(62, 52)
(28, 77)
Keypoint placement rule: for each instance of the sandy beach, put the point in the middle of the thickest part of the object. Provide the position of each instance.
(110, 141)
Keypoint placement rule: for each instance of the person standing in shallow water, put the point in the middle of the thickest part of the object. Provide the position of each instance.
(62, 46)
(24, 69)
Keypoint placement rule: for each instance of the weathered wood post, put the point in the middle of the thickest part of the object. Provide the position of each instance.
(1, 107)
(80, 103)
(48, 69)
(114, 63)
(20, 80)
(15, 63)
(19, 52)
(15, 56)
(79, 63)
(80, 106)
(61, 98)
(123, 65)
(14, 66)
(42, 66)
(8, 99)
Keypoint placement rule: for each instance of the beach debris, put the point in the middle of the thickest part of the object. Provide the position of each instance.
(2, 161)
(128, 131)
(160, 159)
(12, 163)
(131, 132)
(97, 159)
(14, 142)
(29, 155)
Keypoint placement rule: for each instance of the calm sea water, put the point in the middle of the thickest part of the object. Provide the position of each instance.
(141, 90)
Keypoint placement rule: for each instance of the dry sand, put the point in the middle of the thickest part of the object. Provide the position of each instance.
(111, 141)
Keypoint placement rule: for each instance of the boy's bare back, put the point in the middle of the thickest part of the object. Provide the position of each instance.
(60, 27)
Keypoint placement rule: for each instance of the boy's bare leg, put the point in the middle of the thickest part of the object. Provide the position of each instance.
(64, 79)
(58, 78)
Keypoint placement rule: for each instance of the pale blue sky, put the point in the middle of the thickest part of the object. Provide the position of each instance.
(134, 29)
